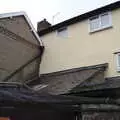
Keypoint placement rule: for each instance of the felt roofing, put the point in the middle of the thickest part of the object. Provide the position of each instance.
(109, 88)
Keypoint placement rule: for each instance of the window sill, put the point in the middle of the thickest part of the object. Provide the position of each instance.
(101, 29)
(116, 52)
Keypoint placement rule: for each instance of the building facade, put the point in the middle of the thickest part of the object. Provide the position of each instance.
(78, 45)
(20, 48)
(85, 41)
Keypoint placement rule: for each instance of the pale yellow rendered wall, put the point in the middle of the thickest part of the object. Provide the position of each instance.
(81, 48)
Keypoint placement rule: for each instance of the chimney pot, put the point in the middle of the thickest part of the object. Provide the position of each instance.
(44, 24)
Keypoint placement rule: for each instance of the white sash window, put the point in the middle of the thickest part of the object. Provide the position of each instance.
(100, 22)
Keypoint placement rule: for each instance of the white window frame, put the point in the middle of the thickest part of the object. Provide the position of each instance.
(100, 26)
(57, 32)
(117, 62)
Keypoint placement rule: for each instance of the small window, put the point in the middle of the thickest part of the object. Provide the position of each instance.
(62, 32)
(118, 62)
(94, 23)
(105, 20)
(100, 22)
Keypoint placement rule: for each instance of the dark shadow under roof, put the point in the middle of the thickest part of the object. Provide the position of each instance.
(14, 95)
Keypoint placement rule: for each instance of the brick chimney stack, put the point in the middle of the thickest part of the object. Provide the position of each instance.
(44, 24)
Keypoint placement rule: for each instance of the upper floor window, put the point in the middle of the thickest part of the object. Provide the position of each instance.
(100, 22)
(118, 62)
(62, 32)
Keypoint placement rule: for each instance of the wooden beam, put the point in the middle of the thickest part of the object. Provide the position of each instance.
(20, 68)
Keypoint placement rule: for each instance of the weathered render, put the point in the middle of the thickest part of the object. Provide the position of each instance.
(20, 48)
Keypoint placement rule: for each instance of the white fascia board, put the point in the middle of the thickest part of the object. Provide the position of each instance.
(13, 14)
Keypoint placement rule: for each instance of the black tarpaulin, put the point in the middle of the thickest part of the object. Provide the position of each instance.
(21, 96)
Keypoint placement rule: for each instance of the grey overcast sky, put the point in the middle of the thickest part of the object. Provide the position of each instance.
(62, 9)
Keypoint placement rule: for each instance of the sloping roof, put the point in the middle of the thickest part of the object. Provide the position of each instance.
(109, 88)
(113, 82)
(63, 81)
(79, 18)
(22, 13)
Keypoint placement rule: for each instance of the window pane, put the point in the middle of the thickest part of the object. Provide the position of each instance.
(105, 21)
(118, 60)
(94, 23)
(62, 32)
